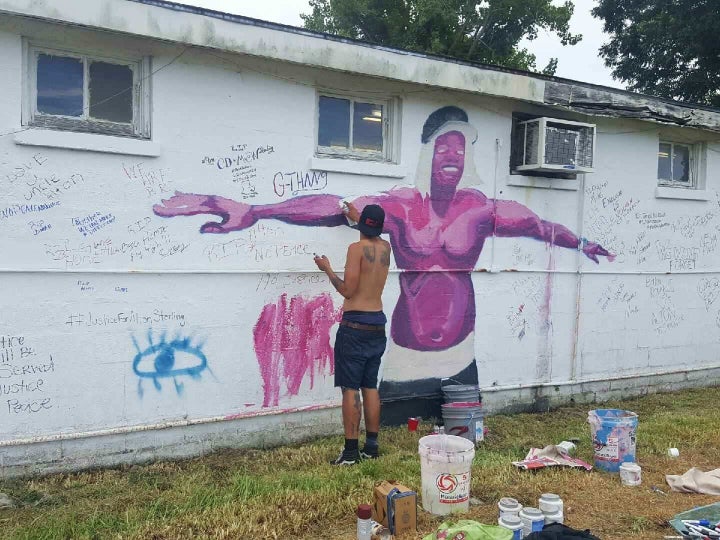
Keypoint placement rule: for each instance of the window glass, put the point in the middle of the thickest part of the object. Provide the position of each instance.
(111, 92)
(334, 123)
(59, 85)
(664, 163)
(368, 126)
(681, 163)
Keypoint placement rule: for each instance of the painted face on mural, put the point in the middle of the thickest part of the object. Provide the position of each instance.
(448, 161)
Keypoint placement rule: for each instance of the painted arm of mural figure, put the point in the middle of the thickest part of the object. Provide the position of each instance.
(512, 219)
(318, 210)
(309, 210)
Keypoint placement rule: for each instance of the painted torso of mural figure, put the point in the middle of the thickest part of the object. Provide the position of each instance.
(437, 237)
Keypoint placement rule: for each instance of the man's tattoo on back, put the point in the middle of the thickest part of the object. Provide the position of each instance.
(369, 255)
(385, 257)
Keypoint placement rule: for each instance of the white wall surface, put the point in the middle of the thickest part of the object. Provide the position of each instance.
(79, 306)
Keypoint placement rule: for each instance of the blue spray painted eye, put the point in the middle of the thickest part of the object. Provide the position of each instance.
(168, 360)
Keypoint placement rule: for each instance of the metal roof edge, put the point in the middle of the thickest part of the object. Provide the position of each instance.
(308, 48)
(241, 19)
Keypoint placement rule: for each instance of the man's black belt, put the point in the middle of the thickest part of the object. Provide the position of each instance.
(359, 326)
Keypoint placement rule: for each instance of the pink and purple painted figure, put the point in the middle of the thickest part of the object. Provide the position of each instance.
(437, 237)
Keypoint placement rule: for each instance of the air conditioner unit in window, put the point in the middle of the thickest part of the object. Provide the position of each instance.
(554, 145)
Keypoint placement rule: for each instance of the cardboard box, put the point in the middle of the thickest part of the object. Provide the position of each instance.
(395, 506)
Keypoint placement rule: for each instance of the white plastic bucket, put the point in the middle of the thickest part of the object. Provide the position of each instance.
(464, 419)
(445, 465)
(512, 523)
(507, 506)
(549, 503)
(532, 519)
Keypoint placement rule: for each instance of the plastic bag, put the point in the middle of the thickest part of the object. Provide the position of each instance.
(467, 529)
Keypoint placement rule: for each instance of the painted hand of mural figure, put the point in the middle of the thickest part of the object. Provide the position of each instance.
(236, 216)
(592, 250)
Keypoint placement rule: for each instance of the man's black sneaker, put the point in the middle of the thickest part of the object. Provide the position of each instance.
(346, 458)
(369, 452)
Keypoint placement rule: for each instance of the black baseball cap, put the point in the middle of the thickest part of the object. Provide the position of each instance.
(371, 220)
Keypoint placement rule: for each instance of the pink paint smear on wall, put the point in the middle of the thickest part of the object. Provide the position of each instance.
(292, 341)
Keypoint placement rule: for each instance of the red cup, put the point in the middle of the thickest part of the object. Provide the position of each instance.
(413, 424)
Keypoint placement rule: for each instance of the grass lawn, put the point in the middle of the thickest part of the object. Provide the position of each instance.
(291, 492)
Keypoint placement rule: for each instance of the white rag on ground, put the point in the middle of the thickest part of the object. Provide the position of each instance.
(550, 456)
(695, 481)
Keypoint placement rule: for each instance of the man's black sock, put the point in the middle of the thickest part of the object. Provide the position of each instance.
(371, 438)
(351, 446)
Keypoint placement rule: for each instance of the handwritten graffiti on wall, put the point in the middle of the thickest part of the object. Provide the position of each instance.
(120, 318)
(91, 224)
(51, 187)
(665, 315)
(242, 162)
(292, 342)
(617, 295)
(154, 181)
(24, 169)
(87, 253)
(39, 226)
(607, 211)
(24, 373)
(39, 183)
(709, 290)
(517, 321)
(173, 359)
(22, 209)
(438, 234)
(299, 181)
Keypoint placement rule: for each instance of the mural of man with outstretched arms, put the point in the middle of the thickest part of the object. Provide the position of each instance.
(437, 231)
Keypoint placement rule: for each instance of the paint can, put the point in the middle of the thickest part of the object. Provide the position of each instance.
(458, 393)
(514, 524)
(551, 504)
(566, 447)
(507, 506)
(630, 474)
(533, 520)
(613, 435)
(464, 419)
(445, 464)
(553, 517)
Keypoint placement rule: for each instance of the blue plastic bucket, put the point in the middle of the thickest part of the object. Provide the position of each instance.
(613, 435)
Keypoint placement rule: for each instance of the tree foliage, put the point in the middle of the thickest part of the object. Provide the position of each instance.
(668, 48)
(488, 31)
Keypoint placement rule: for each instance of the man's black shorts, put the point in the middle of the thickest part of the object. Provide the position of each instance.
(357, 357)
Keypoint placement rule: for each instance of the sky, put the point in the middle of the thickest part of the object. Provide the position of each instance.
(580, 62)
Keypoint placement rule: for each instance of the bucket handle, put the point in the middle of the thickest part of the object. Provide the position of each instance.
(466, 427)
(442, 381)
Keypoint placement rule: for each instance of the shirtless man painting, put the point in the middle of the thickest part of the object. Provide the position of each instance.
(437, 231)
(360, 342)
